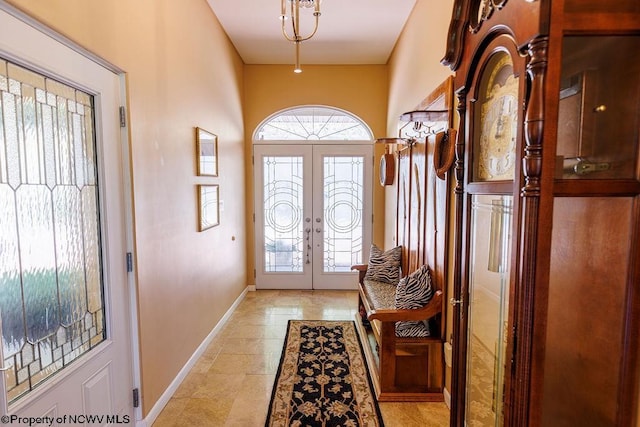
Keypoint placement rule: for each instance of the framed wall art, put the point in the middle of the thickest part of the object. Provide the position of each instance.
(207, 148)
(208, 206)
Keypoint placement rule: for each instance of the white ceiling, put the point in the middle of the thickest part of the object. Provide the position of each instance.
(350, 31)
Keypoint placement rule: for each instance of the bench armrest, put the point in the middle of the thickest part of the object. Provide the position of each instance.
(362, 270)
(395, 315)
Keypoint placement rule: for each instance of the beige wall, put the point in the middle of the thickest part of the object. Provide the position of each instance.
(414, 71)
(182, 72)
(358, 89)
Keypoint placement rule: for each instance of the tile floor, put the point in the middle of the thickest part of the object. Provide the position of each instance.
(231, 383)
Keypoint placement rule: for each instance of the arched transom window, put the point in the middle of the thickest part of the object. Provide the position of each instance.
(313, 123)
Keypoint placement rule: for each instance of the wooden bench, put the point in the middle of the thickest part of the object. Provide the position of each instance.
(404, 369)
(412, 369)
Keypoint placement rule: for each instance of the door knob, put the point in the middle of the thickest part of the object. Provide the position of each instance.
(454, 301)
(318, 230)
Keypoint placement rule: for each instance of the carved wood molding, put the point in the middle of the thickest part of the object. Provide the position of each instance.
(455, 37)
(459, 319)
(534, 116)
(459, 162)
(467, 17)
(525, 295)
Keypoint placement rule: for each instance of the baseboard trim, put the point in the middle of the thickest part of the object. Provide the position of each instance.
(368, 354)
(447, 398)
(169, 392)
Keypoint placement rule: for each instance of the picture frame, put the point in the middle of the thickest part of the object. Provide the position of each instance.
(208, 206)
(207, 149)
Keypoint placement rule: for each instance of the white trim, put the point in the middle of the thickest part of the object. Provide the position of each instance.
(313, 142)
(173, 387)
(130, 242)
(447, 397)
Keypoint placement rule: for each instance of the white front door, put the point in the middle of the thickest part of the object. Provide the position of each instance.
(313, 214)
(66, 339)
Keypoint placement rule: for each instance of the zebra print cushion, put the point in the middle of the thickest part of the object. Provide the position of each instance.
(413, 329)
(414, 291)
(384, 266)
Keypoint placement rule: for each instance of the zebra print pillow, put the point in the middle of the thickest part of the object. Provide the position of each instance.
(414, 291)
(384, 266)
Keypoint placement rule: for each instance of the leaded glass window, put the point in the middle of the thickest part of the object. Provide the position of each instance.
(51, 291)
(313, 123)
(283, 213)
(343, 208)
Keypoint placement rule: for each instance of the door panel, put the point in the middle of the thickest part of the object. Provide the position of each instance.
(587, 289)
(96, 339)
(341, 213)
(313, 214)
(283, 216)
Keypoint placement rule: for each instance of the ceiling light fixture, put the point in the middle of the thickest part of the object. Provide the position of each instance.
(290, 11)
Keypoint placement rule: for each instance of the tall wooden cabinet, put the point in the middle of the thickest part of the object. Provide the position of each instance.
(547, 224)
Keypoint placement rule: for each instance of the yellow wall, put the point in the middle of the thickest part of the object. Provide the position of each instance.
(414, 72)
(359, 89)
(182, 72)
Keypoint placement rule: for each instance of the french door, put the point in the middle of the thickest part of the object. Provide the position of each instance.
(313, 214)
(66, 334)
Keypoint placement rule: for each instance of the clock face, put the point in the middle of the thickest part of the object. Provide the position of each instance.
(497, 125)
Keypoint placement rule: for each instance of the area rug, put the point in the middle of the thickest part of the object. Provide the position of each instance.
(322, 379)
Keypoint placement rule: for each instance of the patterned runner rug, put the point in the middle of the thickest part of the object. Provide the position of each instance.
(323, 379)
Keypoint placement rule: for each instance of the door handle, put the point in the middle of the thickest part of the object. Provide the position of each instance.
(455, 302)
(308, 231)
(318, 230)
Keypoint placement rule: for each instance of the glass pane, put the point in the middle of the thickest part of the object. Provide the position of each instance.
(314, 123)
(588, 285)
(488, 308)
(51, 291)
(343, 184)
(283, 213)
(69, 251)
(38, 261)
(599, 108)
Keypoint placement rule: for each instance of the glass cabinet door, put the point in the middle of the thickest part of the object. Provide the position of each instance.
(491, 219)
(598, 108)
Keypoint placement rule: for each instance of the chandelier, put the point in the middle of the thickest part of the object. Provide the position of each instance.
(290, 11)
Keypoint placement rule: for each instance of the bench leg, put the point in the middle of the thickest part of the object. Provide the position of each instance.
(387, 356)
(363, 313)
